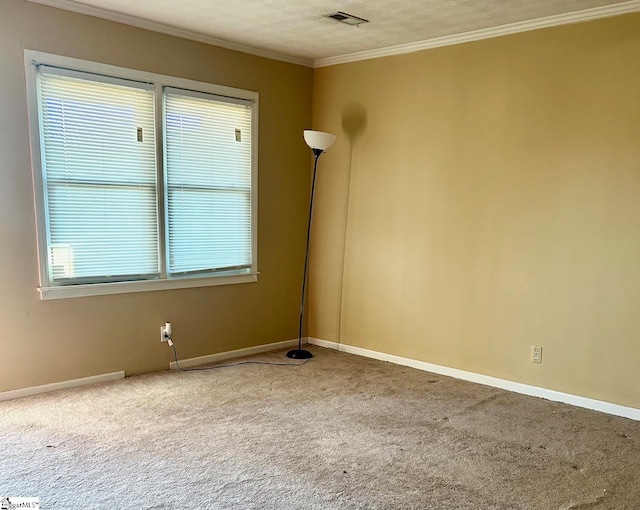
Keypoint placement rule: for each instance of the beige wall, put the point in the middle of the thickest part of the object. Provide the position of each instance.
(480, 198)
(483, 198)
(47, 341)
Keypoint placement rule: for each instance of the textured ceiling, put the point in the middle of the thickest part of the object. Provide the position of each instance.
(297, 28)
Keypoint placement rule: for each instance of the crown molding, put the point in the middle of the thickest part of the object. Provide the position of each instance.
(487, 33)
(70, 5)
(438, 42)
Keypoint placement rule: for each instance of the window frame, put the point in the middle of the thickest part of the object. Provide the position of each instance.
(49, 291)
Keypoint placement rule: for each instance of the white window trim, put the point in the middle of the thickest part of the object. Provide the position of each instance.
(48, 291)
(99, 289)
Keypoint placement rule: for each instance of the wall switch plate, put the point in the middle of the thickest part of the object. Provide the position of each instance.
(536, 354)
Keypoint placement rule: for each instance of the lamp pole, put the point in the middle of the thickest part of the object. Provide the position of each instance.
(300, 353)
(319, 142)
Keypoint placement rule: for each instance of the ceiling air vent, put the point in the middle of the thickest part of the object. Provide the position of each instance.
(349, 19)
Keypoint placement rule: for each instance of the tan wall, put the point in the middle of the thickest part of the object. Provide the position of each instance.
(47, 341)
(490, 194)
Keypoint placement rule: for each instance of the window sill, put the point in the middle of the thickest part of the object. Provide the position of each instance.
(100, 289)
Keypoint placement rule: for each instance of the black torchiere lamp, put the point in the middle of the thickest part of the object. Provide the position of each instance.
(319, 142)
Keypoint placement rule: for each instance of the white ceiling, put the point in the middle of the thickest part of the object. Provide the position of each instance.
(296, 31)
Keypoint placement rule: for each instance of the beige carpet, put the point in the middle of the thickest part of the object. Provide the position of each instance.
(341, 432)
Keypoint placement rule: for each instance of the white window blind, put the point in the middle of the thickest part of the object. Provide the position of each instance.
(98, 153)
(208, 179)
(141, 181)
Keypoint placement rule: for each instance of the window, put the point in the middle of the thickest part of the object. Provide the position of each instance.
(208, 167)
(142, 181)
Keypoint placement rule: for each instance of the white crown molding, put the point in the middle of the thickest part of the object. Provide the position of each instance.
(476, 35)
(516, 387)
(487, 33)
(70, 5)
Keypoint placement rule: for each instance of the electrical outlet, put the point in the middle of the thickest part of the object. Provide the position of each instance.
(165, 332)
(536, 354)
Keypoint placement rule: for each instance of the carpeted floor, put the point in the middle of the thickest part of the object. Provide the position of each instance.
(341, 432)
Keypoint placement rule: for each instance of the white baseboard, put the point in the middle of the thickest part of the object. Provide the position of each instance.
(62, 385)
(238, 353)
(525, 389)
(211, 358)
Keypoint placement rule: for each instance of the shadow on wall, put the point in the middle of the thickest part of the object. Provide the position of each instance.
(354, 123)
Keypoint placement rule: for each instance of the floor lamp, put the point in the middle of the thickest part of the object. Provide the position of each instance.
(319, 142)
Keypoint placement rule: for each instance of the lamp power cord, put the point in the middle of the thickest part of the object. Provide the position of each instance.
(228, 365)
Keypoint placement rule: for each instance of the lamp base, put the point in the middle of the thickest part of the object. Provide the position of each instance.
(299, 354)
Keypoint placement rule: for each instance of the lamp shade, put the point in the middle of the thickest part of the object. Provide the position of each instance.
(318, 139)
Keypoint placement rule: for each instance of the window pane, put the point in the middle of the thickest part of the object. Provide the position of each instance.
(98, 144)
(210, 229)
(100, 230)
(208, 165)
